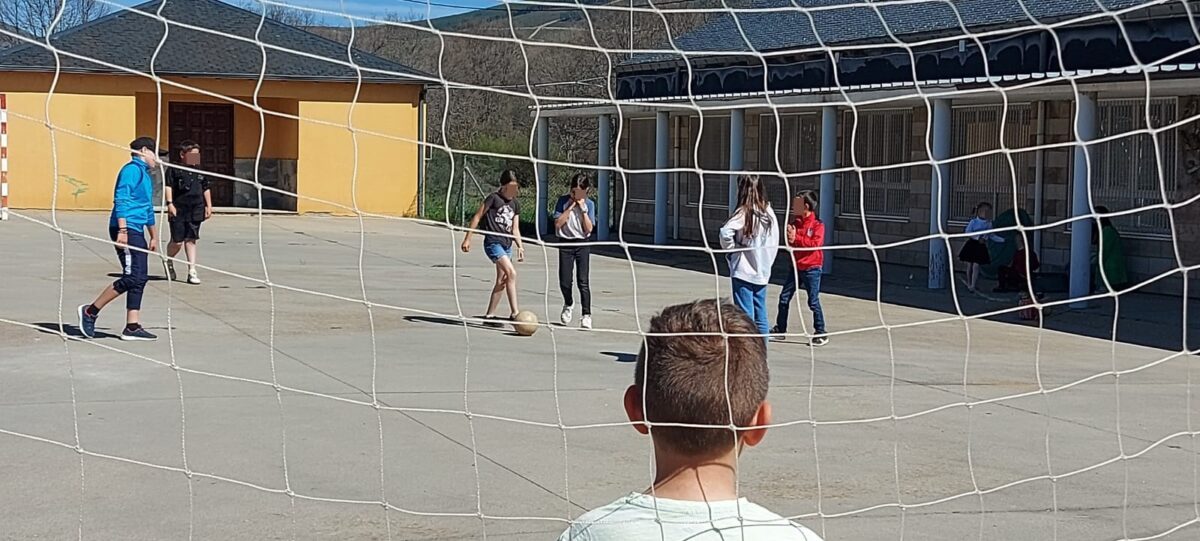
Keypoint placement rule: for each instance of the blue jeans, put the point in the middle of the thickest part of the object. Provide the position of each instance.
(752, 299)
(810, 280)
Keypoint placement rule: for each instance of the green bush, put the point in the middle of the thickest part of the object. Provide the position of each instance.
(453, 194)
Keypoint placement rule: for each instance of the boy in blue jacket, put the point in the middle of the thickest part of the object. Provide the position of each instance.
(131, 228)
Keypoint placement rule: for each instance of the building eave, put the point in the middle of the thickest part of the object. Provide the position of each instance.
(1023, 87)
(230, 76)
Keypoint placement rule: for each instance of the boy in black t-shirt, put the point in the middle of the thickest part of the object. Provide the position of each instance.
(501, 215)
(189, 203)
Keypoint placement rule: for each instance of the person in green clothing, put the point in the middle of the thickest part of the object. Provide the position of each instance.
(1109, 260)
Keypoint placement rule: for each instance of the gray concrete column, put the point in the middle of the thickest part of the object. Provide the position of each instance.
(662, 146)
(939, 195)
(828, 186)
(737, 138)
(1039, 178)
(604, 160)
(542, 173)
(1081, 208)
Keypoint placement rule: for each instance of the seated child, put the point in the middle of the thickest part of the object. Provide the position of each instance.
(681, 378)
(1015, 276)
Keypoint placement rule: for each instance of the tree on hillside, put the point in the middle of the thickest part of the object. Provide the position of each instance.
(289, 16)
(8, 35)
(493, 66)
(34, 17)
(368, 38)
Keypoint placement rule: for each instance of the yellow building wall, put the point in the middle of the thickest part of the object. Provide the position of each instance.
(115, 109)
(87, 169)
(281, 132)
(387, 167)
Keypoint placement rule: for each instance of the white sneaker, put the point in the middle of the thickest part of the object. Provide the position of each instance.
(586, 322)
(567, 315)
(169, 269)
(192, 278)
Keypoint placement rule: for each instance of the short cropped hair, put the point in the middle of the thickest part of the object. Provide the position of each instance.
(187, 145)
(682, 377)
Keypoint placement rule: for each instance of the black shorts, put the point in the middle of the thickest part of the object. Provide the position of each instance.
(182, 230)
(975, 251)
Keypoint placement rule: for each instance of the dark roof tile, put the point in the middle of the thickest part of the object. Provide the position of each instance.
(130, 37)
(852, 21)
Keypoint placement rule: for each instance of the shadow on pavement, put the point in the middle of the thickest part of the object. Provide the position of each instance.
(71, 330)
(621, 357)
(500, 326)
(152, 277)
(1145, 319)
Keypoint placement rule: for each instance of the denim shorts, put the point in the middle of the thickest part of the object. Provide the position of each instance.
(495, 251)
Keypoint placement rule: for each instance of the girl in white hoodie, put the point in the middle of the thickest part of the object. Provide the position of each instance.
(752, 232)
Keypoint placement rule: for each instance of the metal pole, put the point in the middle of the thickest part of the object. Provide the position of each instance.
(1039, 173)
(542, 174)
(737, 136)
(604, 160)
(662, 131)
(462, 198)
(676, 200)
(828, 187)
(3, 157)
(939, 195)
(422, 152)
(1081, 208)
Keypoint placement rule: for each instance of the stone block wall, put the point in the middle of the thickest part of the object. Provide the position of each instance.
(1147, 256)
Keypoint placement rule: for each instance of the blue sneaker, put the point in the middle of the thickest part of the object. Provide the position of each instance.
(87, 324)
(137, 333)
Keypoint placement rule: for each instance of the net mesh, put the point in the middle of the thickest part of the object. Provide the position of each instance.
(917, 421)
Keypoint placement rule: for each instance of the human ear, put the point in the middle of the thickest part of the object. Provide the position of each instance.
(633, 409)
(757, 429)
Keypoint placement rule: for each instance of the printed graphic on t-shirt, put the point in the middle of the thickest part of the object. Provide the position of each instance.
(504, 217)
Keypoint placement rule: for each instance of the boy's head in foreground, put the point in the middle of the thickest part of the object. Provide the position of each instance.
(681, 378)
(700, 361)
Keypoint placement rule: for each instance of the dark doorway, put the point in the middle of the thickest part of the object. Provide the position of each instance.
(210, 126)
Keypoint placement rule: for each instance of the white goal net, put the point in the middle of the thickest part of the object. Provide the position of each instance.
(1001, 219)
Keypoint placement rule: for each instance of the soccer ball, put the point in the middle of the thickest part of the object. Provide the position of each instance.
(525, 323)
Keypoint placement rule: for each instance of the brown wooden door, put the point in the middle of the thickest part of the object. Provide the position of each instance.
(210, 126)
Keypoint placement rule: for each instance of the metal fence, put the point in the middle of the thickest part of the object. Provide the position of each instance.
(882, 138)
(1126, 172)
(639, 154)
(798, 151)
(991, 178)
(713, 156)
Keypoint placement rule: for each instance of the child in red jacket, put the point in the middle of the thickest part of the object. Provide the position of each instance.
(806, 233)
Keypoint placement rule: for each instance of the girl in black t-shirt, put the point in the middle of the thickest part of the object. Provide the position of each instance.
(501, 216)
(189, 203)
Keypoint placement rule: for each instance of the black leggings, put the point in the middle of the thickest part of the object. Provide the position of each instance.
(576, 258)
(134, 270)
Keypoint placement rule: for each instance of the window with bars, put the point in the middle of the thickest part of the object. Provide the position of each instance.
(1128, 172)
(798, 150)
(640, 155)
(992, 177)
(713, 154)
(882, 138)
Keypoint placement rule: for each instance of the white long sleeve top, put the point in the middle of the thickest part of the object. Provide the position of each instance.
(753, 262)
(978, 224)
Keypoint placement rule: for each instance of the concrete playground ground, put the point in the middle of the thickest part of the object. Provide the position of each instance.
(252, 417)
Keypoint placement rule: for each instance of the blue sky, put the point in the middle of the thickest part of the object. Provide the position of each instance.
(403, 7)
(373, 8)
